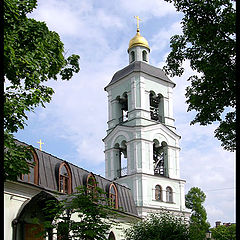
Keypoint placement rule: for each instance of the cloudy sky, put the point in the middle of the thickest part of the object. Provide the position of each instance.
(73, 125)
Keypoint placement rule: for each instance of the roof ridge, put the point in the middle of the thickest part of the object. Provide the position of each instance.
(139, 66)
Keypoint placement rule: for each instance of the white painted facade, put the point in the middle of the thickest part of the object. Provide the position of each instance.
(135, 136)
(17, 195)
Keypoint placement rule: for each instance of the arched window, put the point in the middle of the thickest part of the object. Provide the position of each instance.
(144, 55)
(158, 193)
(169, 194)
(111, 236)
(132, 56)
(91, 185)
(65, 179)
(33, 164)
(113, 196)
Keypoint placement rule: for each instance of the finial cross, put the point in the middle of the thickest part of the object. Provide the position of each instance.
(40, 144)
(138, 19)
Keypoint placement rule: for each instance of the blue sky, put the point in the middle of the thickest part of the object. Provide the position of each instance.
(73, 125)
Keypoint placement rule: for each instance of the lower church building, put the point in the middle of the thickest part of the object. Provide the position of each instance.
(142, 170)
(53, 178)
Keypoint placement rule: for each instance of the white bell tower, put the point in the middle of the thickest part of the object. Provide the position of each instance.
(142, 146)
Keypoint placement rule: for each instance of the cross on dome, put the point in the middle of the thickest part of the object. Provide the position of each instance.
(138, 19)
(40, 144)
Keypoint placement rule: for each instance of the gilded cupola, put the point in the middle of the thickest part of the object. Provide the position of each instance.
(138, 40)
(138, 48)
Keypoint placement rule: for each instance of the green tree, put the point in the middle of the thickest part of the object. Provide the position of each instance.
(223, 232)
(32, 56)
(209, 43)
(198, 220)
(163, 226)
(82, 215)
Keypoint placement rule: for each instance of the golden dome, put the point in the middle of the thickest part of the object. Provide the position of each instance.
(138, 40)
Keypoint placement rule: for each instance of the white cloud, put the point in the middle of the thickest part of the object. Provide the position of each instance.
(216, 212)
(58, 15)
(161, 40)
(79, 109)
(157, 8)
(106, 20)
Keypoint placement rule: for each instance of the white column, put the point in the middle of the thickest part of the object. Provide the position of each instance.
(171, 169)
(133, 92)
(142, 93)
(182, 196)
(129, 170)
(110, 116)
(170, 102)
(177, 163)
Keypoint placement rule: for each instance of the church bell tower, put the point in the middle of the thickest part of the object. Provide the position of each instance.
(142, 146)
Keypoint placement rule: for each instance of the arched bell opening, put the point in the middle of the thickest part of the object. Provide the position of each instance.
(132, 56)
(123, 102)
(160, 158)
(156, 103)
(144, 56)
(122, 159)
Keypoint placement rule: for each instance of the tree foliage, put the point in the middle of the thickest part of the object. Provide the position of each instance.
(209, 43)
(32, 55)
(15, 151)
(90, 216)
(223, 232)
(164, 226)
(198, 220)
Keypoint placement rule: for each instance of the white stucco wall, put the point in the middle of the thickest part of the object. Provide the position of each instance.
(15, 195)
